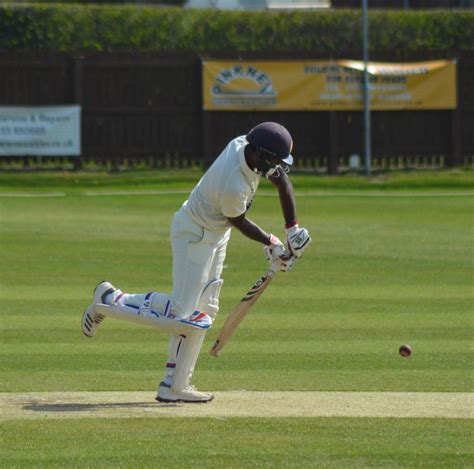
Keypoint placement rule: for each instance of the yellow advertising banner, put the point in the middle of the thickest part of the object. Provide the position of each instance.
(327, 85)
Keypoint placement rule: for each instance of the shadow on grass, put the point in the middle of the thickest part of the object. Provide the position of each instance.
(75, 407)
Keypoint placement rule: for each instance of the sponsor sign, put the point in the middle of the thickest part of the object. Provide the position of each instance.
(40, 130)
(327, 85)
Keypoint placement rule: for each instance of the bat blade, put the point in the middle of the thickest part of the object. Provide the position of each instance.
(240, 311)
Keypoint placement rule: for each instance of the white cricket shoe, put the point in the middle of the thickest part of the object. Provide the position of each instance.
(91, 320)
(188, 394)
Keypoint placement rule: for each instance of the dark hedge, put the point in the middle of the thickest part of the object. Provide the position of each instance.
(148, 28)
(102, 2)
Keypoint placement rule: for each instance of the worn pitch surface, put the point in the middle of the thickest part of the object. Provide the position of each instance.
(239, 404)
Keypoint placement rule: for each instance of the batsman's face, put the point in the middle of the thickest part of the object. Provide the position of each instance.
(273, 162)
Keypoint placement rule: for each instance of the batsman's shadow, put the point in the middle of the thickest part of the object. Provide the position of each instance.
(76, 407)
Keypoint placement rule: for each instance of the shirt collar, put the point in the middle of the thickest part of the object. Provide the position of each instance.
(252, 176)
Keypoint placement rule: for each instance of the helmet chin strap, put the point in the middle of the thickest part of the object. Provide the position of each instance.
(266, 169)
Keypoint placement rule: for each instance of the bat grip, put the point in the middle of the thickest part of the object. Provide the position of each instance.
(273, 268)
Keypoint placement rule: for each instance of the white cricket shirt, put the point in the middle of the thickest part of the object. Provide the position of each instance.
(226, 189)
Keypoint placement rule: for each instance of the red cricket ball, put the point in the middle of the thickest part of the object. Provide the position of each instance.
(404, 350)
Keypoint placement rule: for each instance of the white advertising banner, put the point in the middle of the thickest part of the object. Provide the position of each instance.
(40, 130)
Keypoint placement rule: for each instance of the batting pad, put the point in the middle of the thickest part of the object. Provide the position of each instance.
(187, 358)
(209, 299)
(154, 319)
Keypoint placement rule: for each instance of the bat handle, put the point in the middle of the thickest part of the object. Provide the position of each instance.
(275, 267)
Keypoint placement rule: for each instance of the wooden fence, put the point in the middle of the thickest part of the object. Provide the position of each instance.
(147, 108)
(411, 4)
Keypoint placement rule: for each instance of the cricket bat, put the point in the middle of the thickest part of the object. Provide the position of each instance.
(239, 312)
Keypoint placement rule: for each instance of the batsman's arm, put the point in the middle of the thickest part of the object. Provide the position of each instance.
(250, 229)
(287, 197)
(297, 239)
(274, 249)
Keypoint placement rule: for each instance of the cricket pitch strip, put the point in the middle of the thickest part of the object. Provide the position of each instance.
(118, 404)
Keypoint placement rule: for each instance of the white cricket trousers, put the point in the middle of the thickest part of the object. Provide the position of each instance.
(198, 258)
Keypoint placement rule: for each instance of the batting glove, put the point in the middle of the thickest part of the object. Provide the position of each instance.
(274, 250)
(297, 239)
(276, 254)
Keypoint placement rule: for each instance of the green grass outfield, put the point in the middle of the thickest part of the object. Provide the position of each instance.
(391, 263)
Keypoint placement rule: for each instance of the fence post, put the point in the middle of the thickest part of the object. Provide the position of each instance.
(333, 160)
(77, 87)
(456, 125)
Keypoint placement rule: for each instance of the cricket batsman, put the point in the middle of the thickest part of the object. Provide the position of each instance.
(200, 232)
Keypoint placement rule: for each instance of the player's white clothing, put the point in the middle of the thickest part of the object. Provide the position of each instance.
(200, 230)
(198, 257)
(225, 190)
(200, 233)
